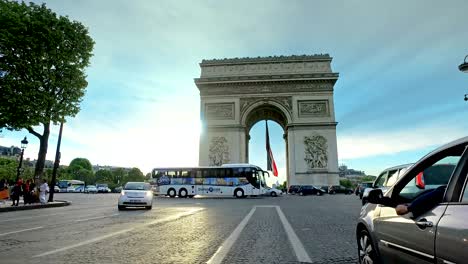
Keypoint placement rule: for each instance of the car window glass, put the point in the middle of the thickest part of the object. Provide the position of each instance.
(391, 178)
(465, 192)
(380, 180)
(401, 172)
(436, 175)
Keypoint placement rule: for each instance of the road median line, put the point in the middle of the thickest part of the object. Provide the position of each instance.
(223, 250)
(96, 239)
(296, 243)
(23, 230)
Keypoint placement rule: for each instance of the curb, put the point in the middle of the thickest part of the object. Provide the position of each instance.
(57, 203)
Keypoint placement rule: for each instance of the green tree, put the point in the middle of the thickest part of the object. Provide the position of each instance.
(85, 175)
(104, 176)
(118, 176)
(148, 176)
(63, 173)
(368, 178)
(134, 175)
(8, 169)
(81, 169)
(80, 163)
(43, 58)
(346, 183)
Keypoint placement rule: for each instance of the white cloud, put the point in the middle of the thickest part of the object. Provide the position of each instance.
(368, 144)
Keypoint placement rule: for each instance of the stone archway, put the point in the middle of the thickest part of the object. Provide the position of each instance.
(263, 109)
(294, 91)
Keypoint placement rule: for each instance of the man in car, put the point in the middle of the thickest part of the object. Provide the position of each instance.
(423, 203)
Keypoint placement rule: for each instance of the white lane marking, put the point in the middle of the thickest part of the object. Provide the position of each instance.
(29, 217)
(23, 230)
(93, 218)
(96, 239)
(299, 249)
(223, 250)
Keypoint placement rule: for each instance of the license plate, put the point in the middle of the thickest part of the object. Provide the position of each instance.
(134, 201)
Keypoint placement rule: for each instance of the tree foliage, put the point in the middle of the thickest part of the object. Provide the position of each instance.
(43, 58)
(81, 169)
(134, 175)
(346, 183)
(8, 169)
(80, 163)
(103, 176)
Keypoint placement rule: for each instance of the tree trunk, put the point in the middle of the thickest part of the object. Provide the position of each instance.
(44, 139)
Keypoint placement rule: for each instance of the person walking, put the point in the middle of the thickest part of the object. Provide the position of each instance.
(32, 192)
(27, 192)
(16, 192)
(42, 191)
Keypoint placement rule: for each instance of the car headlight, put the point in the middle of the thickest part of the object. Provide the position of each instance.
(122, 192)
(148, 193)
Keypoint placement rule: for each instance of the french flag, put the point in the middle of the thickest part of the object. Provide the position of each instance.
(271, 165)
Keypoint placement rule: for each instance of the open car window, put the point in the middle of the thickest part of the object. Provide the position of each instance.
(430, 177)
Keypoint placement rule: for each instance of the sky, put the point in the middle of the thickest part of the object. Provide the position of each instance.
(399, 93)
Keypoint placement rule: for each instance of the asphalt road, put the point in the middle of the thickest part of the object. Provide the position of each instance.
(288, 229)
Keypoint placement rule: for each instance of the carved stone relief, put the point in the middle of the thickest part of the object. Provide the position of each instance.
(316, 152)
(266, 68)
(219, 151)
(219, 111)
(285, 101)
(262, 88)
(313, 108)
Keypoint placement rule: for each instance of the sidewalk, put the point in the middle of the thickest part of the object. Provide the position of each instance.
(5, 205)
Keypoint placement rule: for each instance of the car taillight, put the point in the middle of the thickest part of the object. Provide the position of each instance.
(420, 181)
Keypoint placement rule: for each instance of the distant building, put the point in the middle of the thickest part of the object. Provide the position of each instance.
(10, 151)
(344, 171)
(109, 168)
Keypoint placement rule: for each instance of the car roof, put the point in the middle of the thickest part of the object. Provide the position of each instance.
(398, 167)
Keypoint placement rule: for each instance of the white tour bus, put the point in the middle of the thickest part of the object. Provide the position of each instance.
(237, 180)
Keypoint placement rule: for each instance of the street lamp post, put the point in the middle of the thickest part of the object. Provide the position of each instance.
(464, 68)
(24, 144)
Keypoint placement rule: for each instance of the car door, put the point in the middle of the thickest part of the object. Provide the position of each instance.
(406, 238)
(452, 230)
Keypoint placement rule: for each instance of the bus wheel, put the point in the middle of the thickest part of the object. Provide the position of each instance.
(239, 193)
(171, 192)
(183, 193)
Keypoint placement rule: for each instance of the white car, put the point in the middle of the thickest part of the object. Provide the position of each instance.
(91, 189)
(103, 188)
(136, 194)
(56, 189)
(273, 192)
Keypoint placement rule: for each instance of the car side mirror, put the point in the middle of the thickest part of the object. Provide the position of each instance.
(375, 196)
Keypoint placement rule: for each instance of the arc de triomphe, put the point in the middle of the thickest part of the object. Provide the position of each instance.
(294, 91)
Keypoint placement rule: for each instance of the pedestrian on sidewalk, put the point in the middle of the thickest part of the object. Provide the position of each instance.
(33, 192)
(27, 192)
(42, 191)
(16, 192)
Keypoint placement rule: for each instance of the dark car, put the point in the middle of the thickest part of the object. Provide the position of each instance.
(309, 189)
(324, 188)
(339, 189)
(293, 189)
(362, 186)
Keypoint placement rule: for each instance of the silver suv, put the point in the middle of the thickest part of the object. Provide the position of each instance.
(438, 235)
(385, 180)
